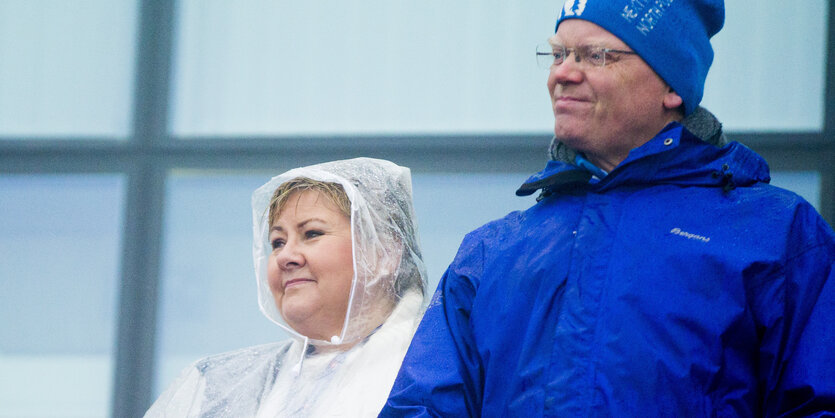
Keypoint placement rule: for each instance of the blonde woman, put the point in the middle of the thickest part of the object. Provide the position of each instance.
(338, 267)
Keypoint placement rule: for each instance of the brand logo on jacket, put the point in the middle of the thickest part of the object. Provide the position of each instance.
(685, 234)
(437, 299)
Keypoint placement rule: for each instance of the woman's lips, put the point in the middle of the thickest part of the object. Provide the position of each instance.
(296, 282)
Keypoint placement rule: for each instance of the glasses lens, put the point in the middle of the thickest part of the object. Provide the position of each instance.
(595, 56)
(544, 56)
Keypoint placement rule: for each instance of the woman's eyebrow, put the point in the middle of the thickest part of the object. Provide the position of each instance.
(309, 220)
(298, 225)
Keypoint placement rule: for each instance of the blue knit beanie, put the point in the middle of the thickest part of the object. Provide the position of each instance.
(672, 36)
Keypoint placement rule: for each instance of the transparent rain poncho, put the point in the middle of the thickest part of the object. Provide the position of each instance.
(351, 373)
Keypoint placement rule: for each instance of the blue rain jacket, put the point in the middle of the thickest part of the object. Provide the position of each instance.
(681, 284)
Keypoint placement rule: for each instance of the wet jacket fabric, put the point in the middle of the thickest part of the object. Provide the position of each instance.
(260, 381)
(681, 284)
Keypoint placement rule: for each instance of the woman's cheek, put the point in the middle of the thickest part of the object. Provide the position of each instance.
(274, 277)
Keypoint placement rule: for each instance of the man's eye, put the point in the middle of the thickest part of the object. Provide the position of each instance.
(277, 243)
(596, 55)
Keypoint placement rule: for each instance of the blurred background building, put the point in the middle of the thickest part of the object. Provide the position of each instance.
(132, 133)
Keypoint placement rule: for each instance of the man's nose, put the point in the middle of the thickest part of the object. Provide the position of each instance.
(569, 71)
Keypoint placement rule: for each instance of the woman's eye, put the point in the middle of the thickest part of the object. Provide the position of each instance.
(313, 233)
(277, 243)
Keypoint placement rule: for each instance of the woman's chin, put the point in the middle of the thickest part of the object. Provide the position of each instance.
(303, 319)
(298, 318)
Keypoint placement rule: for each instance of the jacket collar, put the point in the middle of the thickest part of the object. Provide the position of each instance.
(674, 156)
(701, 123)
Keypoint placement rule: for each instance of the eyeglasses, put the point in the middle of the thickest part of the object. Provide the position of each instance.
(548, 55)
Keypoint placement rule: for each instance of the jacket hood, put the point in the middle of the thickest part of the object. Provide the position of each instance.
(387, 260)
(674, 156)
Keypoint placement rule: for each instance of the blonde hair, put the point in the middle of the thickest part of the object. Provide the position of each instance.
(332, 191)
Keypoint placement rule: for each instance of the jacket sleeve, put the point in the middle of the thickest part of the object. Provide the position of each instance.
(804, 381)
(441, 374)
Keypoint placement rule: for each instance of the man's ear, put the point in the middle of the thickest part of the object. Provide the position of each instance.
(672, 100)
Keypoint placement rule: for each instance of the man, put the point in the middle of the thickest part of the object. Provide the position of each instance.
(658, 275)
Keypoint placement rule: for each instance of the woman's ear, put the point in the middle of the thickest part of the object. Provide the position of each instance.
(672, 100)
(390, 261)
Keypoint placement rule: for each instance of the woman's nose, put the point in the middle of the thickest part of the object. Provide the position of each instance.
(290, 256)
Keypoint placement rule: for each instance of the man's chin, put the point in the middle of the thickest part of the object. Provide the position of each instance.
(572, 137)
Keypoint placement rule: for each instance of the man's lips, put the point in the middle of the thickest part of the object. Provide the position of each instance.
(570, 99)
(569, 102)
(296, 282)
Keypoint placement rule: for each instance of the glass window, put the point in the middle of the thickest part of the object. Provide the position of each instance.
(66, 67)
(360, 67)
(377, 67)
(769, 69)
(59, 269)
(448, 206)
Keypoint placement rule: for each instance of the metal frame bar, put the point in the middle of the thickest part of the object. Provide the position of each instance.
(150, 153)
(142, 239)
(828, 163)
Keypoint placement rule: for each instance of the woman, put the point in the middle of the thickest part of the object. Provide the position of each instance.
(338, 266)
